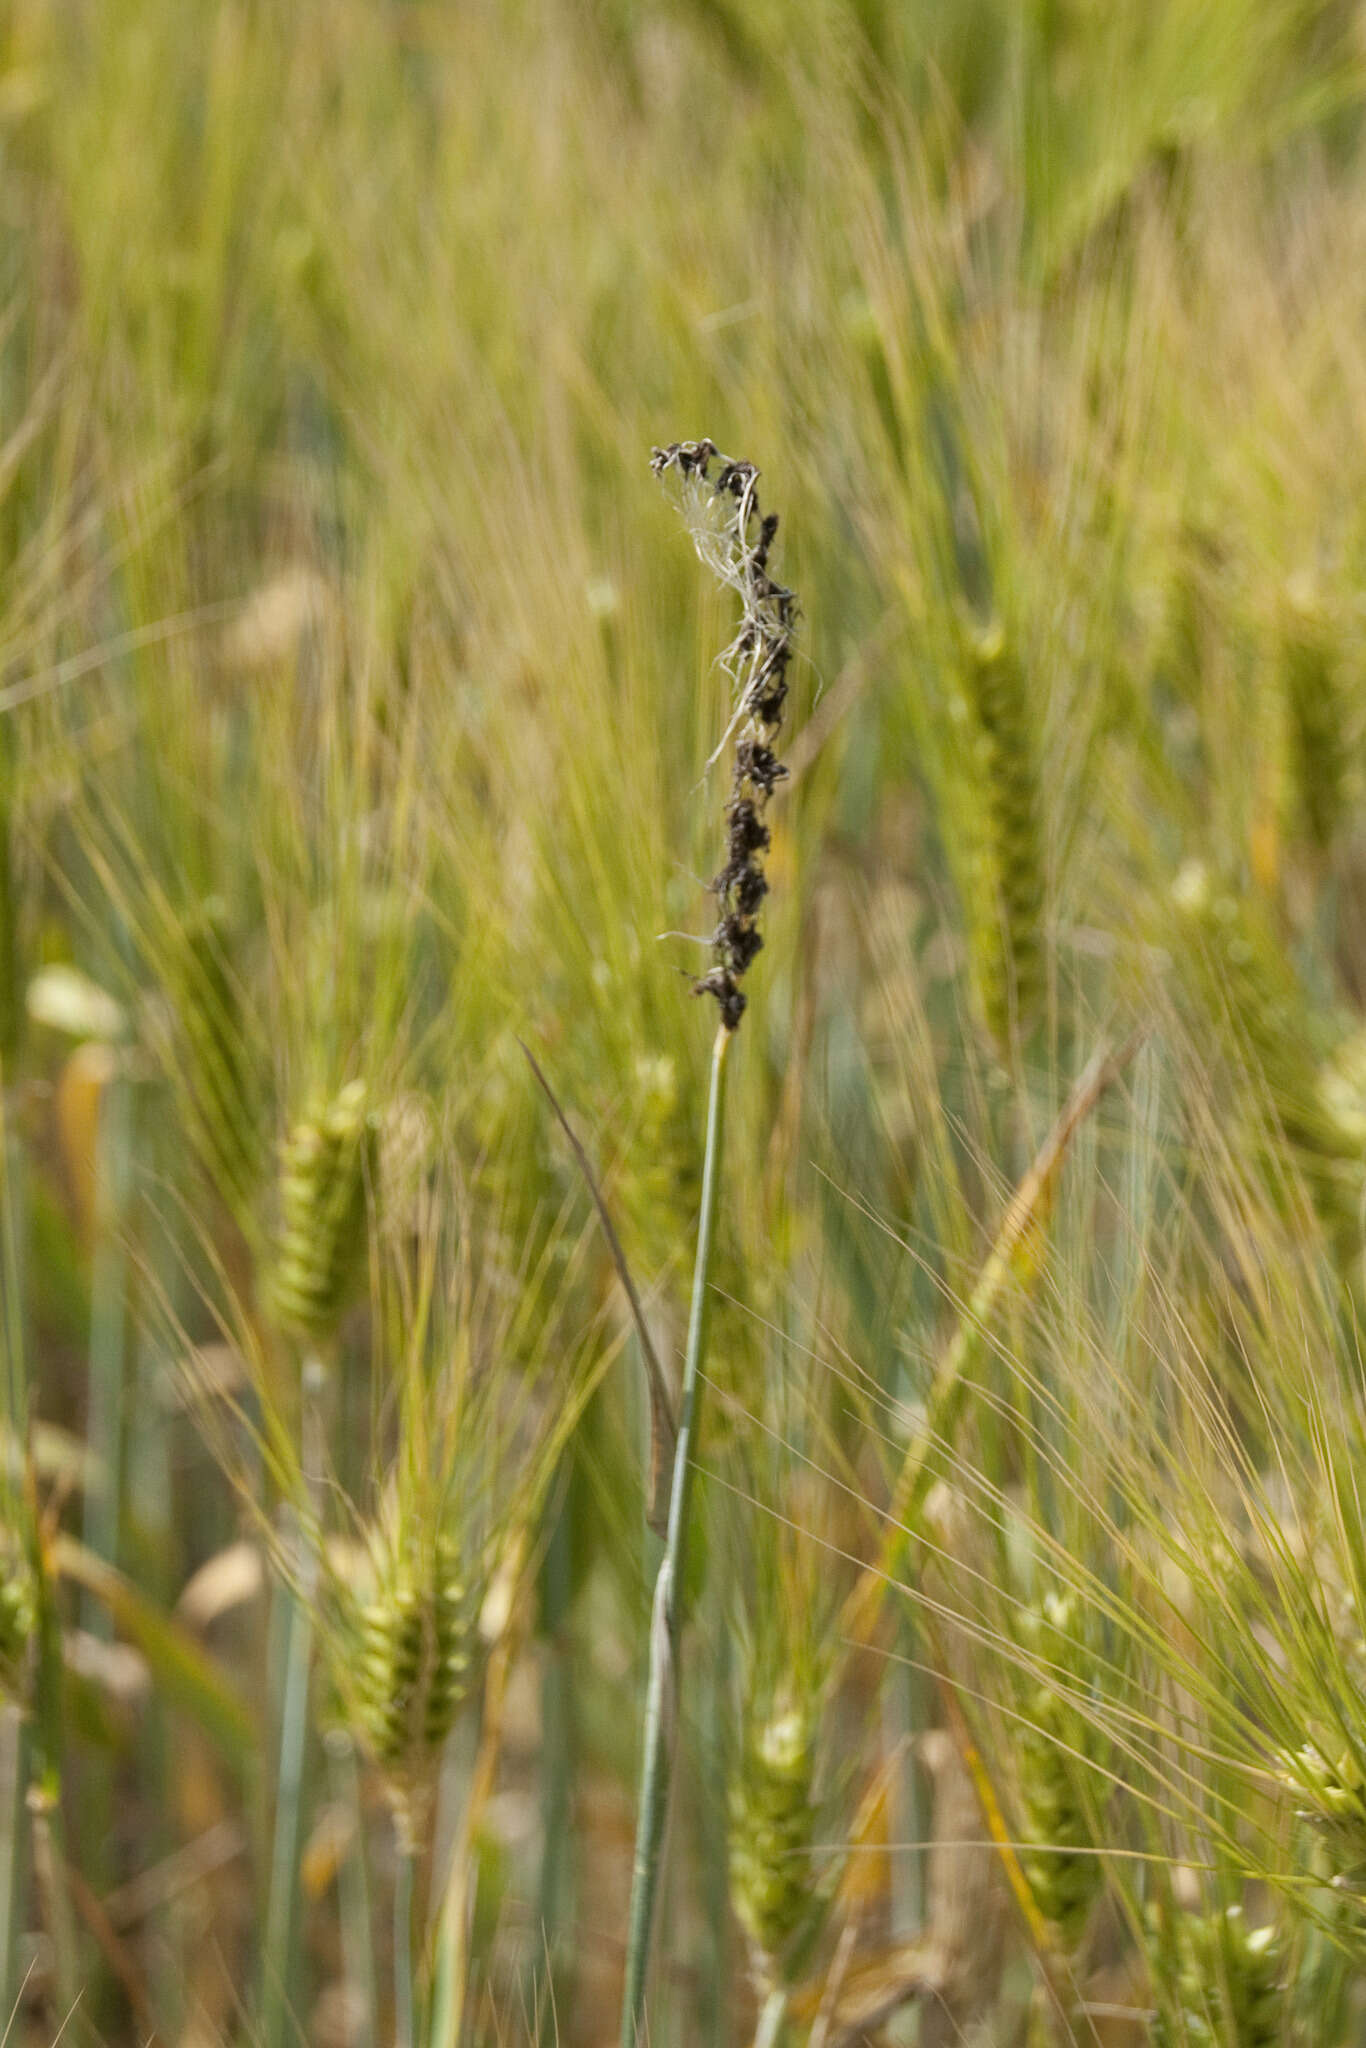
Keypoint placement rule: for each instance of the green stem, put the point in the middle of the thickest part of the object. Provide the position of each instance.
(555, 1917)
(36, 1760)
(280, 1953)
(106, 1425)
(90, 1819)
(905, 1707)
(714, 2008)
(772, 2019)
(459, 1889)
(14, 1747)
(358, 1958)
(667, 1615)
(49, 1862)
(13, 1267)
(13, 1836)
(443, 2030)
(403, 1944)
(150, 1530)
(282, 1916)
(46, 1733)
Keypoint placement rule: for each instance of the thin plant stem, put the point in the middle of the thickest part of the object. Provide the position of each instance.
(14, 1747)
(904, 1705)
(555, 1916)
(90, 1820)
(667, 1615)
(13, 1251)
(772, 2019)
(49, 1862)
(282, 1907)
(663, 1428)
(38, 1758)
(108, 1331)
(714, 2014)
(13, 1835)
(281, 1932)
(450, 1963)
(44, 1799)
(403, 1940)
(358, 1955)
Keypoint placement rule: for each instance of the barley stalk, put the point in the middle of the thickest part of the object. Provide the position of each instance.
(667, 1613)
(19, 1616)
(48, 1733)
(357, 1947)
(18, 1623)
(403, 1942)
(772, 2018)
(281, 1933)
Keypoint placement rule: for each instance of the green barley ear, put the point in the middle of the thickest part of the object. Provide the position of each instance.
(1224, 1983)
(326, 1165)
(772, 1824)
(456, 1642)
(785, 1785)
(219, 1076)
(1254, 1973)
(1329, 1792)
(1240, 977)
(1317, 712)
(1058, 1743)
(1006, 887)
(409, 1654)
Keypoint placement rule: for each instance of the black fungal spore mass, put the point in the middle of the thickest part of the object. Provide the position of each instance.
(734, 538)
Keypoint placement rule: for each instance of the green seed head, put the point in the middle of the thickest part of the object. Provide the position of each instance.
(1317, 713)
(1057, 1743)
(219, 1074)
(1237, 976)
(1330, 1793)
(1224, 1983)
(772, 1825)
(415, 1649)
(326, 1163)
(455, 1644)
(1006, 892)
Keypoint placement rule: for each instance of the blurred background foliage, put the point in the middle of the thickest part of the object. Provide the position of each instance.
(358, 687)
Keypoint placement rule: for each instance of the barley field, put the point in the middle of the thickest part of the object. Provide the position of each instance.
(683, 1023)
